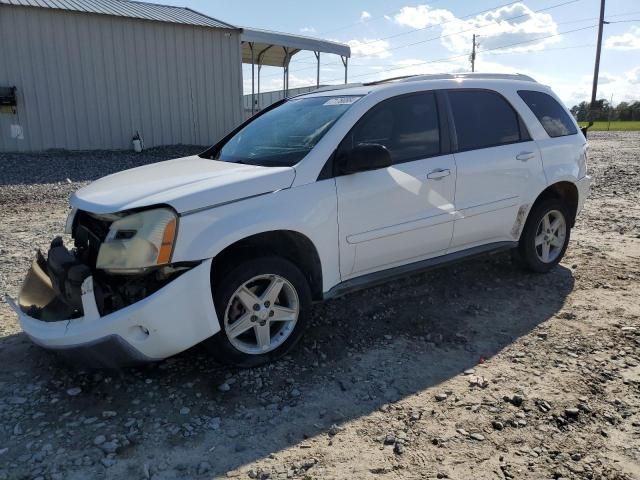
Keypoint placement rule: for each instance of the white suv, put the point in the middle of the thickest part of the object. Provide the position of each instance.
(316, 196)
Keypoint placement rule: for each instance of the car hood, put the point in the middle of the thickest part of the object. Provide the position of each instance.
(185, 184)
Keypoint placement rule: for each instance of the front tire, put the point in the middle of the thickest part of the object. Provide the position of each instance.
(263, 307)
(545, 236)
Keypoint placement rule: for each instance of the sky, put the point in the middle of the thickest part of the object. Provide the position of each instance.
(554, 41)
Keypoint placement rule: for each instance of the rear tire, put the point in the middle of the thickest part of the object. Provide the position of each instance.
(263, 306)
(545, 236)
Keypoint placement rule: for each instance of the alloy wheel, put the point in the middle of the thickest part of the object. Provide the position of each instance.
(261, 314)
(550, 236)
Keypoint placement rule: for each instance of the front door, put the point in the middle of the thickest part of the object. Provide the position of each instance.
(403, 213)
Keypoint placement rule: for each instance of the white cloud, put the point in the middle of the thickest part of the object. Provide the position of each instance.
(415, 66)
(365, 15)
(422, 16)
(633, 76)
(627, 41)
(605, 78)
(308, 30)
(623, 87)
(369, 48)
(512, 24)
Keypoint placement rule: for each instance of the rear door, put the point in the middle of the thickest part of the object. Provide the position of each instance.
(498, 168)
(403, 213)
(564, 148)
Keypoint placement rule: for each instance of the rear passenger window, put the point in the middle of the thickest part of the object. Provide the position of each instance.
(554, 119)
(483, 119)
(407, 126)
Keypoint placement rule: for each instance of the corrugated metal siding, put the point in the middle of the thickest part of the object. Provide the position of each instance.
(90, 81)
(124, 8)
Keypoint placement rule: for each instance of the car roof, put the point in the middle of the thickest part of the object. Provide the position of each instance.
(427, 81)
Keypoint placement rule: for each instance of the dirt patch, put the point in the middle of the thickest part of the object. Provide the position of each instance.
(478, 370)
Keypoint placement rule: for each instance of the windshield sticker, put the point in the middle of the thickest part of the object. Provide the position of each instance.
(350, 100)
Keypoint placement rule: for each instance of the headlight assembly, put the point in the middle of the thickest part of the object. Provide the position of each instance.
(138, 241)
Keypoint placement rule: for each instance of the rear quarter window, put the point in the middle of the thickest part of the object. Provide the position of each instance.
(554, 118)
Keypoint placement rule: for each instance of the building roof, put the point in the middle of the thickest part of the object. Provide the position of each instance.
(128, 9)
(270, 45)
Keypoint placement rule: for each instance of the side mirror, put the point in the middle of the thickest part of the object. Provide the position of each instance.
(364, 157)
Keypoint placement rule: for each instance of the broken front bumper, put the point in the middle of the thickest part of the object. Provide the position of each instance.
(174, 318)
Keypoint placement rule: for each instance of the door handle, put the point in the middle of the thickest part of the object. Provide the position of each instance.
(439, 174)
(524, 156)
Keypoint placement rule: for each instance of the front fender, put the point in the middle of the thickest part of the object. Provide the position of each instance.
(310, 210)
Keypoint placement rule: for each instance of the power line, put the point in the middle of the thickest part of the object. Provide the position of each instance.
(413, 30)
(586, 45)
(444, 23)
(486, 52)
(511, 18)
(473, 29)
(622, 14)
(455, 33)
(510, 45)
(528, 52)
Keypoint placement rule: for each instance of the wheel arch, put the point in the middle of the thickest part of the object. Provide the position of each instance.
(289, 244)
(564, 190)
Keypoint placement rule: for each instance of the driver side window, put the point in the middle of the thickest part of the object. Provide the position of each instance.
(406, 125)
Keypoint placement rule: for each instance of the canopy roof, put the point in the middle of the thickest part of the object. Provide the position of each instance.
(273, 48)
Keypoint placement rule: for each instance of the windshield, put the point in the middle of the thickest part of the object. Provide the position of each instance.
(284, 135)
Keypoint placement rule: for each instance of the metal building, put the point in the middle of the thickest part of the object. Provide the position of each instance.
(89, 74)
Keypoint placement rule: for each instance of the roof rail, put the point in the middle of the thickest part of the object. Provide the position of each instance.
(402, 78)
(451, 76)
(418, 78)
(328, 88)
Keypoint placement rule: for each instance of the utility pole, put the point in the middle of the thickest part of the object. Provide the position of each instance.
(473, 54)
(596, 69)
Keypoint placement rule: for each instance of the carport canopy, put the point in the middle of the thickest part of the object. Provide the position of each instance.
(275, 49)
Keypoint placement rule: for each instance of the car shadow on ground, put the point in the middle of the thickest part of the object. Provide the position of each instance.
(362, 351)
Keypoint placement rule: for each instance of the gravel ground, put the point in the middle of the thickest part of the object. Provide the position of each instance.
(477, 370)
(52, 176)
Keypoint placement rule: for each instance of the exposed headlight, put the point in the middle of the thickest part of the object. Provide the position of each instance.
(138, 241)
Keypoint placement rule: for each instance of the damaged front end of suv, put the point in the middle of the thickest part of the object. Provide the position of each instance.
(123, 258)
(117, 261)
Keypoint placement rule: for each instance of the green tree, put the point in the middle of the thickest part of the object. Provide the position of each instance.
(580, 111)
(635, 110)
(623, 111)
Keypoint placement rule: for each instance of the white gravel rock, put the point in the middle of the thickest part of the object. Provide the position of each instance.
(75, 391)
